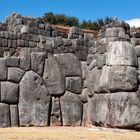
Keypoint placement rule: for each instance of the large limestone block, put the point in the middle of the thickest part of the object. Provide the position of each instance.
(121, 53)
(99, 109)
(34, 100)
(3, 69)
(4, 115)
(12, 61)
(112, 32)
(104, 80)
(53, 77)
(74, 84)
(14, 116)
(9, 92)
(25, 58)
(124, 110)
(37, 62)
(56, 116)
(72, 109)
(15, 74)
(69, 64)
(93, 80)
(123, 78)
(87, 113)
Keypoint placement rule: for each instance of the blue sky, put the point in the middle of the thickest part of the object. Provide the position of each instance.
(83, 9)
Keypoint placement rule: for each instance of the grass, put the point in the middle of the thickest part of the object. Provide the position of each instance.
(64, 133)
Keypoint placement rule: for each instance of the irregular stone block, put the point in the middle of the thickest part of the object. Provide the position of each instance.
(25, 59)
(84, 95)
(112, 32)
(56, 116)
(124, 110)
(15, 74)
(69, 64)
(137, 49)
(37, 62)
(72, 109)
(123, 78)
(34, 99)
(93, 80)
(12, 61)
(101, 60)
(122, 54)
(9, 92)
(87, 113)
(53, 77)
(3, 69)
(104, 80)
(99, 109)
(14, 116)
(74, 84)
(4, 115)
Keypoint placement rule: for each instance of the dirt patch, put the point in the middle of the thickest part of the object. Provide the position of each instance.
(67, 133)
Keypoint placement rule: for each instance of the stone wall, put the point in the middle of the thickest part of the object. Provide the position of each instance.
(53, 78)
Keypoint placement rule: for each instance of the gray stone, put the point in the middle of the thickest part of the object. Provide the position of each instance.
(25, 29)
(137, 48)
(123, 78)
(69, 64)
(101, 60)
(4, 115)
(99, 109)
(34, 100)
(104, 80)
(12, 61)
(87, 113)
(84, 95)
(37, 62)
(4, 42)
(93, 64)
(14, 116)
(3, 69)
(57, 42)
(15, 74)
(56, 116)
(93, 80)
(124, 110)
(72, 109)
(32, 44)
(9, 92)
(74, 84)
(112, 32)
(25, 58)
(53, 77)
(121, 53)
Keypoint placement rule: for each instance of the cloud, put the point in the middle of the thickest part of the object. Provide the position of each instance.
(133, 22)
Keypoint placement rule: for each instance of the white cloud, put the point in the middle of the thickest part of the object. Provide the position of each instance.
(133, 22)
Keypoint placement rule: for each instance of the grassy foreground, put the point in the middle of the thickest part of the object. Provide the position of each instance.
(64, 133)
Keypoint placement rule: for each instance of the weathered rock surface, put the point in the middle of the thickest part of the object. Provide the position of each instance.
(121, 54)
(54, 78)
(93, 80)
(4, 115)
(124, 110)
(69, 64)
(9, 92)
(72, 109)
(56, 115)
(74, 84)
(122, 78)
(14, 116)
(15, 74)
(3, 69)
(34, 100)
(37, 62)
(99, 109)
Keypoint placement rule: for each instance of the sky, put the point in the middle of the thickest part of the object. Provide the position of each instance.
(127, 10)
